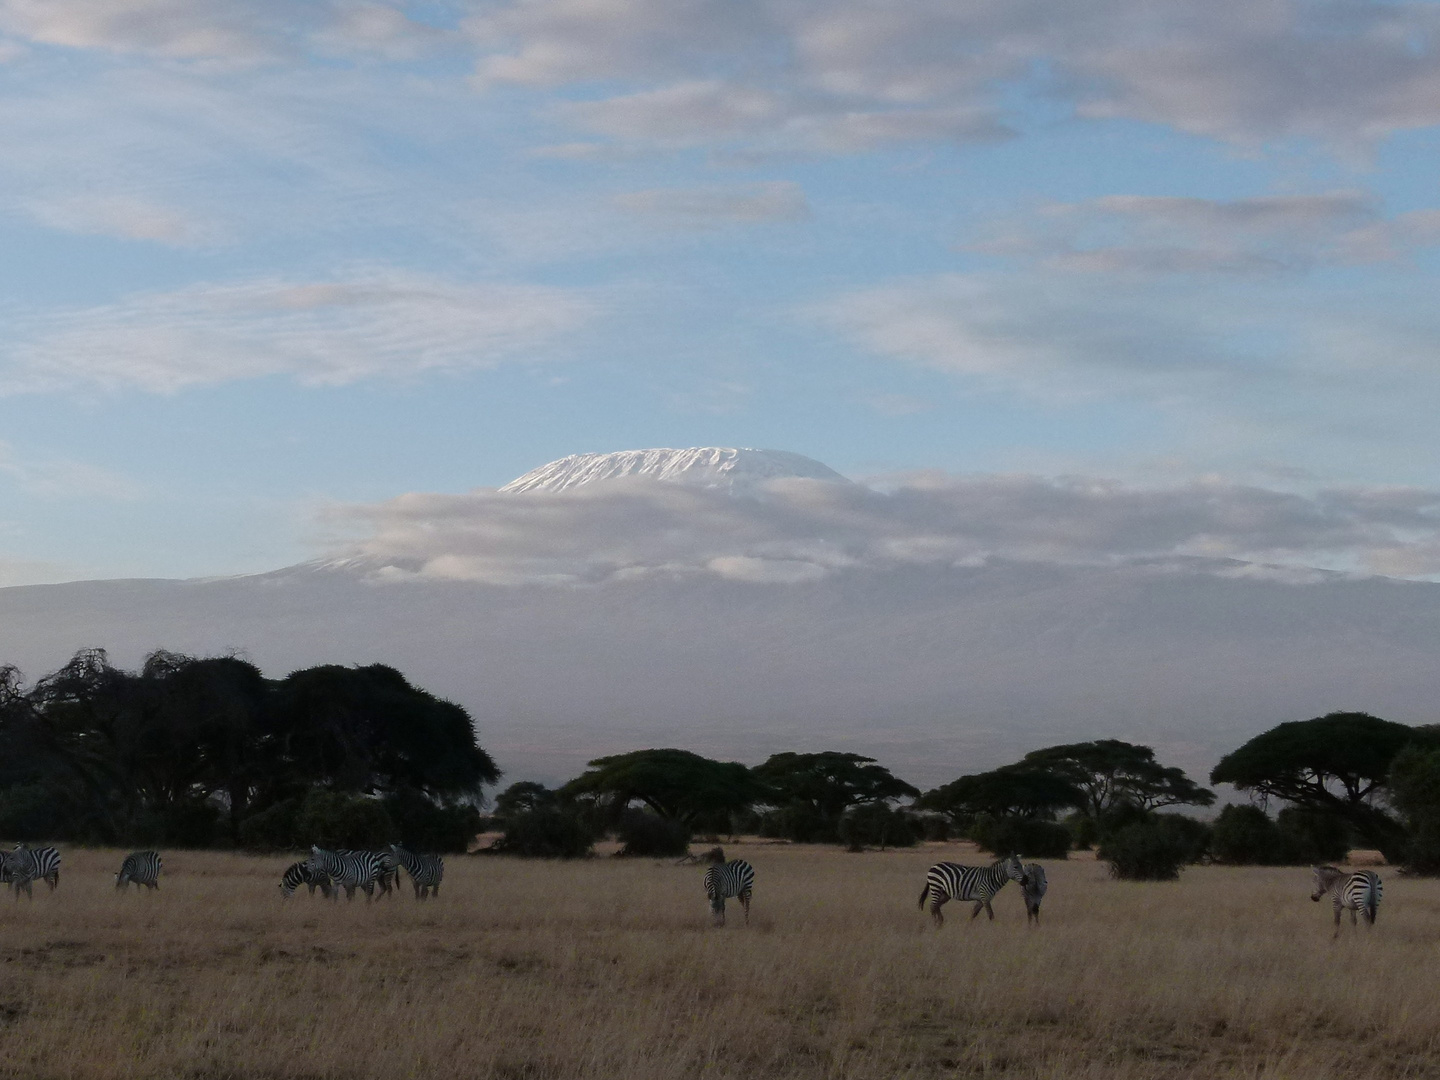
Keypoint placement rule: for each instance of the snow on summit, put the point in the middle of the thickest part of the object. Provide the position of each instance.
(733, 469)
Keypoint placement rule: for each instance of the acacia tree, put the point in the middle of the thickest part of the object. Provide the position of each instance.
(675, 784)
(1337, 764)
(1011, 791)
(1110, 772)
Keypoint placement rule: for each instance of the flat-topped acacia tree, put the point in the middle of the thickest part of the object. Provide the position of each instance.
(1337, 764)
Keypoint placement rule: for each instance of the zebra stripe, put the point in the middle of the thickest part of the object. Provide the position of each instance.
(24, 865)
(951, 881)
(735, 878)
(426, 871)
(141, 868)
(1356, 892)
(298, 874)
(348, 870)
(389, 877)
(1033, 891)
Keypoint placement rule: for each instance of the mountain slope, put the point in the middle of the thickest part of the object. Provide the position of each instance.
(738, 470)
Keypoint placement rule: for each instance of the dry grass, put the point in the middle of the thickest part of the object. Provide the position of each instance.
(611, 969)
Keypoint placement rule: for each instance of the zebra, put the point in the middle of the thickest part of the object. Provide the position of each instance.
(951, 881)
(1033, 891)
(140, 868)
(347, 870)
(25, 864)
(1359, 891)
(425, 871)
(389, 876)
(735, 878)
(301, 874)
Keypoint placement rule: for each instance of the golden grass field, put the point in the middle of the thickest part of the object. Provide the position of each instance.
(610, 968)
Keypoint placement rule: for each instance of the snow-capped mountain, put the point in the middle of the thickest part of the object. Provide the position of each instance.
(737, 469)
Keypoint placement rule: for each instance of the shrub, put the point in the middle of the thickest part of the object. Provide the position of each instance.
(800, 823)
(337, 819)
(1023, 836)
(1144, 851)
(1192, 834)
(935, 827)
(1084, 830)
(548, 833)
(647, 834)
(877, 825)
(1245, 835)
(272, 829)
(1422, 849)
(425, 826)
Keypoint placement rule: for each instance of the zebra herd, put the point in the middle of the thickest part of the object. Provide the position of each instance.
(331, 871)
(1358, 891)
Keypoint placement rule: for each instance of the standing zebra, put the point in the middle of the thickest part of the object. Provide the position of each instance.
(1033, 891)
(298, 874)
(25, 864)
(389, 877)
(141, 868)
(951, 881)
(735, 878)
(347, 870)
(425, 870)
(1358, 891)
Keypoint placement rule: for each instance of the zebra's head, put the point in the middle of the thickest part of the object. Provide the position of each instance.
(1325, 879)
(1015, 870)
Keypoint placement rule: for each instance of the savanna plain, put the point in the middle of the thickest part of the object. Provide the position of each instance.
(611, 968)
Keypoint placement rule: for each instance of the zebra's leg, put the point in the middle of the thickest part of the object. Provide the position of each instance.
(1337, 919)
(744, 899)
(989, 911)
(979, 907)
(1354, 920)
(935, 913)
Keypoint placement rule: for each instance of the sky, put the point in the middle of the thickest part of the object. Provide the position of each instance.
(280, 274)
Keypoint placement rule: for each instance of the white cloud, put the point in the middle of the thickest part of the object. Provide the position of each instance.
(1161, 234)
(327, 332)
(59, 478)
(179, 29)
(705, 207)
(1348, 72)
(125, 218)
(801, 530)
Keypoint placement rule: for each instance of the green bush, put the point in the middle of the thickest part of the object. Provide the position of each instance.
(800, 823)
(272, 829)
(1192, 834)
(1084, 830)
(548, 833)
(336, 819)
(424, 826)
(1245, 835)
(1144, 851)
(1022, 836)
(935, 827)
(646, 834)
(877, 825)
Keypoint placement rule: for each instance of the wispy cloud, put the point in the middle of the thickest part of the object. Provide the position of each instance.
(319, 332)
(64, 479)
(707, 207)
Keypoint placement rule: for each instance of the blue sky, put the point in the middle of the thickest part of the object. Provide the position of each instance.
(266, 260)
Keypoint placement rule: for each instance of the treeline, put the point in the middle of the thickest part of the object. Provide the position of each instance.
(207, 752)
(1336, 781)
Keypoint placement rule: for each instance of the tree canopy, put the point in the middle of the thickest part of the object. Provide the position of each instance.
(1109, 771)
(109, 754)
(675, 784)
(1011, 791)
(1338, 764)
(829, 783)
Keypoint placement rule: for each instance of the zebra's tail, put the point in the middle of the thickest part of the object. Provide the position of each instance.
(1372, 907)
(924, 895)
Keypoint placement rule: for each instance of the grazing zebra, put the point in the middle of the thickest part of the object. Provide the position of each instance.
(347, 870)
(951, 881)
(1033, 891)
(1358, 891)
(301, 874)
(425, 870)
(141, 868)
(389, 877)
(25, 864)
(735, 878)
